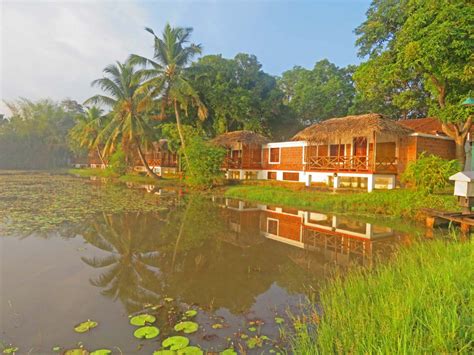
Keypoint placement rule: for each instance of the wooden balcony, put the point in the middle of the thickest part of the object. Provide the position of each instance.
(237, 163)
(361, 164)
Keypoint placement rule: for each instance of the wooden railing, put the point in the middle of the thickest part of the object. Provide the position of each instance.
(351, 163)
(237, 163)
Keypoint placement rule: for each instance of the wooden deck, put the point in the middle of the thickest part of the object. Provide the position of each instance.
(435, 218)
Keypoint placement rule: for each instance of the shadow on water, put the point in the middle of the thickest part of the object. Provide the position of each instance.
(235, 262)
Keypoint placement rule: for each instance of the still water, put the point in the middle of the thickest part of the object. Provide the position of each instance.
(240, 265)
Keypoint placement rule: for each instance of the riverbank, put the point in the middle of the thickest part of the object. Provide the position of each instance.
(400, 203)
(417, 303)
(130, 177)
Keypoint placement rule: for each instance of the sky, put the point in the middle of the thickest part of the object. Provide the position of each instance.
(54, 49)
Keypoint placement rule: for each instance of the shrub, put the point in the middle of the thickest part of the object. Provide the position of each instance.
(205, 161)
(118, 162)
(429, 172)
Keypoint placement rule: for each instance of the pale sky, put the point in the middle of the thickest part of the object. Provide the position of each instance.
(54, 49)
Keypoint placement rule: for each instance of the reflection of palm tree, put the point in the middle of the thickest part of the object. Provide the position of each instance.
(129, 241)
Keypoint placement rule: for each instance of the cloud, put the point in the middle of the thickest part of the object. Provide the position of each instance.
(55, 49)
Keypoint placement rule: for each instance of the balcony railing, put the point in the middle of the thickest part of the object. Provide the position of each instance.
(352, 163)
(236, 163)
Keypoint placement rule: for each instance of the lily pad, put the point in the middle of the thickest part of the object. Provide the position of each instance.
(217, 326)
(279, 320)
(57, 348)
(190, 313)
(102, 352)
(10, 350)
(187, 327)
(76, 352)
(190, 350)
(142, 319)
(229, 351)
(169, 299)
(252, 329)
(175, 342)
(147, 332)
(255, 341)
(85, 326)
(164, 352)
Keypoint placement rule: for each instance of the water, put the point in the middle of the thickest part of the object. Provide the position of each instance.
(239, 264)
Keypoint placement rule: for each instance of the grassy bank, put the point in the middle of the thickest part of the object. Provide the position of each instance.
(420, 302)
(398, 203)
(131, 177)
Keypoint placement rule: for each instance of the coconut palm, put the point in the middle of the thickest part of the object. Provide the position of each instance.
(87, 130)
(130, 108)
(172, 55)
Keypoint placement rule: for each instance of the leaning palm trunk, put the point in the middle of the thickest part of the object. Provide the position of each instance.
(180, 132)
(149, 172)
(101, 157)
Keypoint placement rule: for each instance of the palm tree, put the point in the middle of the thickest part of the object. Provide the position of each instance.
(168, 69)
(87, 130)
(130, 108)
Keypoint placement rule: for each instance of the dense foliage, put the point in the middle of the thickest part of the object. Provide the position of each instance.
(34, 137)
(429, 172)
(205, 161)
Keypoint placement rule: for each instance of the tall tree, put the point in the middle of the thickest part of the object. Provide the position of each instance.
(325, 91)
(168, 71)
(85, 134)
(131, 106)
(423, 47)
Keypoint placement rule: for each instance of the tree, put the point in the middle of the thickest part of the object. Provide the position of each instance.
(130, 105)
(85, 134)
(426, 44)
(325, 91)
(168, 74)
(237, 93)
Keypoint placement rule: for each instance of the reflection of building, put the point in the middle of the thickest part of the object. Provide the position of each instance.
(340, 238)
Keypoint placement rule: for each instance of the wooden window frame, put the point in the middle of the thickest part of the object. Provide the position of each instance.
(278, 225)
(270, 155)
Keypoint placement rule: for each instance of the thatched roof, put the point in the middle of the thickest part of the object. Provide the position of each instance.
(245, 137)
(351, 126)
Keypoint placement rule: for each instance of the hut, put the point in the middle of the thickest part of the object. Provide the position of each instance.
(160, 158)
(359, 149)
(244, 153)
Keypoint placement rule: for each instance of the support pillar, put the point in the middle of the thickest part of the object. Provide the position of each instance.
(370, 183)
(336, 182)
(242, 175)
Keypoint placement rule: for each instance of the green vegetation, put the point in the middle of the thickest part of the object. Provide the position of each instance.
(205, 161)
(429, 173)
(129, 177)
(420, 302)
(398, 203)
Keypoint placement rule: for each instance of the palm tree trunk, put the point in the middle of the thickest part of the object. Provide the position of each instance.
(100, 156)
(180, 132)
(180, 234)
(145, 163)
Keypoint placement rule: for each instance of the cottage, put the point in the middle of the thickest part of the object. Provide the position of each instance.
(160, 159)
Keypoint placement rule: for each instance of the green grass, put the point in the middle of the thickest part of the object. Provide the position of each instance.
(397, 203)
(130, 177)
(420, 302)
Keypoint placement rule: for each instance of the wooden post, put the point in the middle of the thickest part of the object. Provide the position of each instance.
(374, 139)
(338, 152)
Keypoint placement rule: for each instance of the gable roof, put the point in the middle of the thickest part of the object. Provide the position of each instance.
(428, 125)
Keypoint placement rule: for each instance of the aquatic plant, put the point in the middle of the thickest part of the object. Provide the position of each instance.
(175, 342)
(191, 350)
(187, 327)
(142, 319)
(101, 352)
(147, 332)
(191, 313)
(85, 326)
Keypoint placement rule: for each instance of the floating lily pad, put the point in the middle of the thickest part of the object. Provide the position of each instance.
(10, 350)
(256, 341)
(169, 299)
(85, 326)
(190, 350)
(187, 327)
(142, 319)
(252, 329)
(76, 352)
(229, 351)
(279, 320)
(244, 336)
(190, 313)
(102, 352)
(164, 352)
(57, 348)
(147, 332)
(217, 326)
(175, 342)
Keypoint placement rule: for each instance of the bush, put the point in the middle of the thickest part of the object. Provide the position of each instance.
(205, 161)
(429, 172)
(118, 162)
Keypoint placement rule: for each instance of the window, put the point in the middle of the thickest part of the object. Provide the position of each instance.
(271, 175)
(337, 150)
(291, 176)
(272, 226)
(274, 156)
